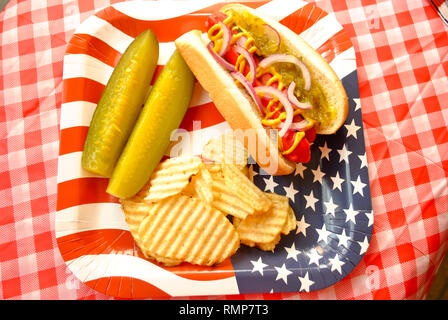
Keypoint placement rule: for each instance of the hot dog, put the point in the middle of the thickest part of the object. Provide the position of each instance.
(262, 76)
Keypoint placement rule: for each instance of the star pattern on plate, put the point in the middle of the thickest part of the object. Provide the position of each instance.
(363, 159)
(358, 186)
(258, 266)
(331, 207)
(283, 273)
(352, 129)
(252, 172)
(336, 264)
(344, 153)
(330, 196)
(315, 257)
(370, 218)
(310, 201)
(357, 104)
(300, 168)
(364, 245)
(305, 283)
(323, 234)
(270, 184)
(325, 151)
(350, 214)
(343, 238)
(292, 252)
(291, 192)
(337, 182)
(301, 226)
(318, 175)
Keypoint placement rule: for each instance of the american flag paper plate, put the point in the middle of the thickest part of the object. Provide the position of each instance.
(330, 194)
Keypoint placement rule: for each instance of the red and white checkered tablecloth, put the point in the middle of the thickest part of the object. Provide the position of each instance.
(402, 55)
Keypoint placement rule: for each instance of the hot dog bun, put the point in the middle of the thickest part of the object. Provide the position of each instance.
(236, 105)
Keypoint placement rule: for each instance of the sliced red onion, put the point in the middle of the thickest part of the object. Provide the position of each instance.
(293, 99)
(250, 60)
(300, 125)
(219, 59)
(249, 88)
(241, 41)
(297, 125)
(227, 37)
(273, 34)
(284, 101)
(283, 57)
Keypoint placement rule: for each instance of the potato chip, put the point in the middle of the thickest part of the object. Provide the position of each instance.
(186, 229)
(165, 261)
(180, 214)
(249, 192)
(202, 183)
(189, 191)
(290, 224)
(215, 169)
(135, 212)
(246, 172)
(270, 246)
(229, 202)
(264, 228)
(226, 149)
(171, 177)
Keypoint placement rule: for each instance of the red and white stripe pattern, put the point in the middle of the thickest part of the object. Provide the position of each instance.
(91, 232)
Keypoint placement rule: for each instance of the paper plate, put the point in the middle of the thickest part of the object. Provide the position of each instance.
(330, 194)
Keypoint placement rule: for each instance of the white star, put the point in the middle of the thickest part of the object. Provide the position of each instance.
(364, 245)
(363, 159)
(314, 257)
(358, 186)
(258, 266)
(370, 217)
(352, 129)
(270, 184)
(252, 173)
(311, 201)
(336, 264)
(343, 239)
(318, 174)
(292, 252)
(323, 234)
(305, 283)
(325, 151)
(331, 207)
(299, 169)
(301, 226)
(291, 192)
(358, 104)
(344, 154)
(283, 273)
(337, 181)
(351, 214)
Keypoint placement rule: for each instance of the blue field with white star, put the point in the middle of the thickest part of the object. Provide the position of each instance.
(330, 196)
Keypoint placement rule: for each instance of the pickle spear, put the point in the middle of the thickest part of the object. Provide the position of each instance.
(120, 104)
(163, 112)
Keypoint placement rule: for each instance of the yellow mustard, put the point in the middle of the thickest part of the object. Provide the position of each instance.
(299, 136)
